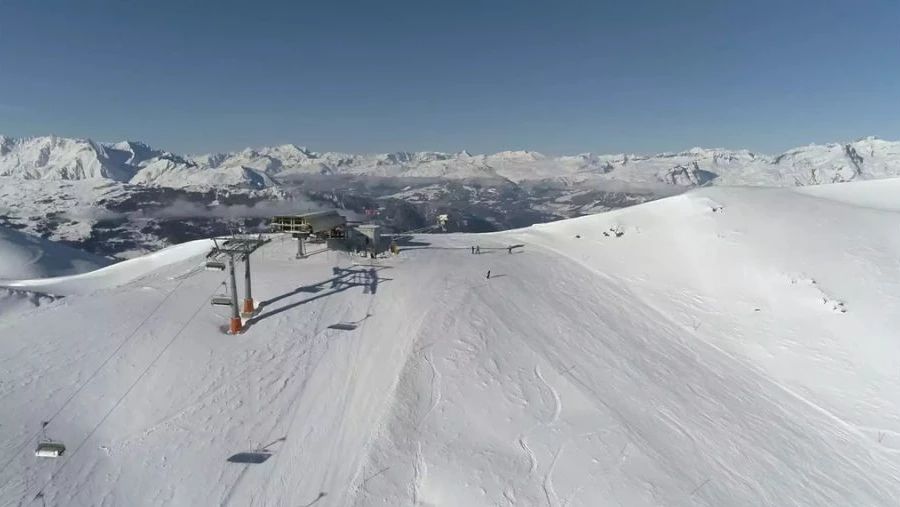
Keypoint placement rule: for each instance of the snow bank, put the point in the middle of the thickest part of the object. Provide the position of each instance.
(117, 274)
(878, 194)
(26, 256)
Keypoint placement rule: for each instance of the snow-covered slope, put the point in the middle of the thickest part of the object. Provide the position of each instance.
(728, 346)
(60, 158)
(111, 276)
(26, 256)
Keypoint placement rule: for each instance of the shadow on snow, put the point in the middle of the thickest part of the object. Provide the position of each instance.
(343, 279)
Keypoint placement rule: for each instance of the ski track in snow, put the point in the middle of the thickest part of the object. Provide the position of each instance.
(293, 405)
(557, 403)
(547, 484)
(435, 386)
(421, 474)
(532, 460)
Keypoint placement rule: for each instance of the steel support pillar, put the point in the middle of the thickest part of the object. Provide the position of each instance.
(235, 324)
(301, 251)
(248, 295)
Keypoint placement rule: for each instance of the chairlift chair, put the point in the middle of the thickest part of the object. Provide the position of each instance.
(47, 448)
(221, 300)
(215, 266)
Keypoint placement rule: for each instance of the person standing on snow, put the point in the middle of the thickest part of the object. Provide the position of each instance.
(489, 274)
(477, 249)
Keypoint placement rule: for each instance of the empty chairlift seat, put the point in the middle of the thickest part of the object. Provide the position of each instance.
(215, 266)
(221, 301)
(48, 449)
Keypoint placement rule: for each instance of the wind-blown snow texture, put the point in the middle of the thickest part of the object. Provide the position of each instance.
(71, 159)
(721, 347)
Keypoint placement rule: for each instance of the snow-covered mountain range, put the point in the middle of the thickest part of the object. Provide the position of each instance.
(117, 199)
(133, 162)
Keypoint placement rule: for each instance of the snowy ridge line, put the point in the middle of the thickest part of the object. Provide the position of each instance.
(879, 195)
(25, 255)
(125, 395)
(106, 361)
(52, 157)
(34, 301)
(115, 275)
(885, 200)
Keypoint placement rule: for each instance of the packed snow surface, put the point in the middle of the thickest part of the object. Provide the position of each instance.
(728, 346)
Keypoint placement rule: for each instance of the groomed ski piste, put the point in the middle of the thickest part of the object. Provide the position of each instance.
(728, 346)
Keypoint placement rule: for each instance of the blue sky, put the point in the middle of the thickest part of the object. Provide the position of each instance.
(557, 77)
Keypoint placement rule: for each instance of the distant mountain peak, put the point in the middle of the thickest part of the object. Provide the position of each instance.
(53, 157)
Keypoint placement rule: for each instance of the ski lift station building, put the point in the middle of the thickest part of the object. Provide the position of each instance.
(368, 237)
(329, 226)
(361, 238)
(321, 224)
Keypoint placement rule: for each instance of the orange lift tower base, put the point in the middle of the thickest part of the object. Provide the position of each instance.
(237, 248)
(248, 309)
(235, 324)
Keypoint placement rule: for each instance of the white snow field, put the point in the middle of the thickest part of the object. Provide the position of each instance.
(728, 346)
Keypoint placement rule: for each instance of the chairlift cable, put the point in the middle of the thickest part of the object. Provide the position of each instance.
(124, 395)
(89, 379)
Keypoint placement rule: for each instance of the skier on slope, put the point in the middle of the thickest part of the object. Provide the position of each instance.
(489, 274)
